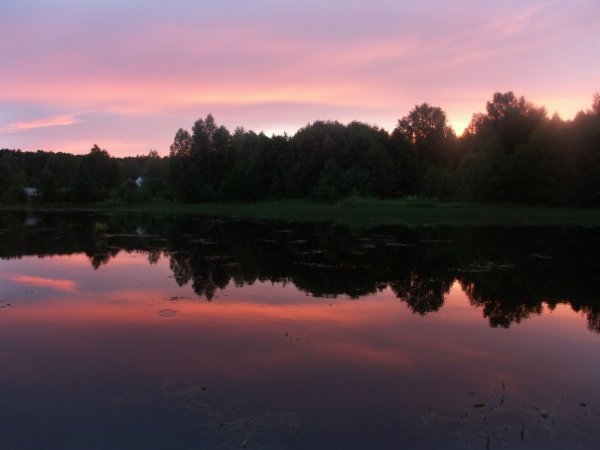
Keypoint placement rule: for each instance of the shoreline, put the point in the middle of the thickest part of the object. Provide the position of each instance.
(355, 211)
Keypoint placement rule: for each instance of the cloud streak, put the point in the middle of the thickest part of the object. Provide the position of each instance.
(52, 121)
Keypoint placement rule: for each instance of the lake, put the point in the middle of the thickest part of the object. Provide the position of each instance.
(131, 331)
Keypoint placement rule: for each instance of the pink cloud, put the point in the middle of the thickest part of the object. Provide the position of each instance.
(52, 121)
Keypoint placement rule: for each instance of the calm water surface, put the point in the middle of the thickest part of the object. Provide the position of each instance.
(123, 332)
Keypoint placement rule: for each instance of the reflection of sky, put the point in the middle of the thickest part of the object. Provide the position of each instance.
(344, 366)
(127, 271)
(128, 75)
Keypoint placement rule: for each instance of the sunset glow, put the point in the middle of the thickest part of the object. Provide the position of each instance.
(128, 76)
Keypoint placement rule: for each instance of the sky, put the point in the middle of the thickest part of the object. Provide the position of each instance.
(126, 75)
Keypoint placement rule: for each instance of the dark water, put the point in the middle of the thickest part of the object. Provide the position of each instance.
(125, 332)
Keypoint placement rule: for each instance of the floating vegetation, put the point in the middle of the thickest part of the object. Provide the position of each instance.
(203, 241)
(217, 427)
(331, 266)
(310, 252)
(266, 241)
(4, 305)
(540, 256)
(485, 266)
(290, 338)
(397, 244)
(500, 419)
(100, 227)
(231, 264)
(216, 257)
(237, 430)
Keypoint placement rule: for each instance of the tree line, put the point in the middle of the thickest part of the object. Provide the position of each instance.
(514, 152)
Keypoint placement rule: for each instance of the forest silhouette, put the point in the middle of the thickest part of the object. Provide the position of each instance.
(512, 153)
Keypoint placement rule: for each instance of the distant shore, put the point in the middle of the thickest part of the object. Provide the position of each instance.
(355, 211)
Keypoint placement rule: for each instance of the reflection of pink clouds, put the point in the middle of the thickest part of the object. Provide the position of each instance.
(258, 332)
(50, 283)
(305, 317)
(315, 330)
(268, 347)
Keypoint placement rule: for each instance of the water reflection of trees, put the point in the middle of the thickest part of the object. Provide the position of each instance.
(421, 294)
(502, 307)
(508, 273)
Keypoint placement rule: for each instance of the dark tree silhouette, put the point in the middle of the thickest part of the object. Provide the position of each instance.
(510, 153)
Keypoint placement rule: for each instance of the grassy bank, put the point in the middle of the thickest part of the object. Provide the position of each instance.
(359, 211)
